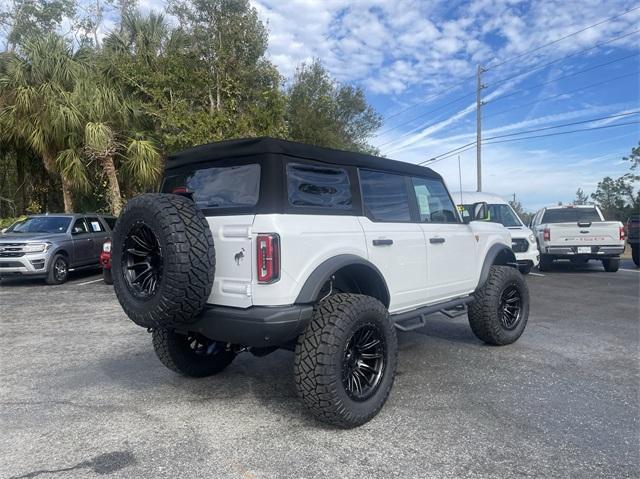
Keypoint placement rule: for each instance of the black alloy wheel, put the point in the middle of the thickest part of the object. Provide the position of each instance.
(510, 307)
(60, 270)
(364, 362)
(142, 261)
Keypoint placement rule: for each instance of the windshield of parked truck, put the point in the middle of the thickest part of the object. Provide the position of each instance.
(571, 215)
(42, 224)
(498, 213)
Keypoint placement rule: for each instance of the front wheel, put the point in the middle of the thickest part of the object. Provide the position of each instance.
(611, 265)
(345, 361)
(499, 313)
(190, 354)
(58, 271)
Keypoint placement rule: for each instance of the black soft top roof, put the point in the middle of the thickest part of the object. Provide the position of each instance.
(255, 146)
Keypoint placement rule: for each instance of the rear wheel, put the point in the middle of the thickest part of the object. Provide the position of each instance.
(346, 359)
(545, 263)
(611, 265)
(190, 354)
(106, 276)
(635, 255)
(500, 311)
(58, 270)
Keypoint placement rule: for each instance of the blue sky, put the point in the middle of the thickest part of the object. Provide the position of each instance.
(413, 58)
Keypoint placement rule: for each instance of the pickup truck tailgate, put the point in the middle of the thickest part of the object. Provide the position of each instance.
(587, 234)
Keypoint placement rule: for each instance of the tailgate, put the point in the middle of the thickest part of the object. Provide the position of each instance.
(587, 234)
(234, 260)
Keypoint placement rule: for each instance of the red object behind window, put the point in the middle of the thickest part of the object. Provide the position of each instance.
(268, 257)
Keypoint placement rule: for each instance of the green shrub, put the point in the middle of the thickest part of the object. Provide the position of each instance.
(6, 222)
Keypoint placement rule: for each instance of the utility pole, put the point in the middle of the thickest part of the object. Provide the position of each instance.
(479, 88)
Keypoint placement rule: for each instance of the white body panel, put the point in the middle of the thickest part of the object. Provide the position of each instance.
(417, 272)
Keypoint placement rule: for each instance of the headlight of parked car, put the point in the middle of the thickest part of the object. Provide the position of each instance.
(532, 239)
(36, 247)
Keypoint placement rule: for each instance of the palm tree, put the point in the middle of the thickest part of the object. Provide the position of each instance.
(35, 87)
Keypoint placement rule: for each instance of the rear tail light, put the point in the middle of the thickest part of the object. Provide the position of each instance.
(106, 246)
(546, 234)
(623, 233)
(268, 257)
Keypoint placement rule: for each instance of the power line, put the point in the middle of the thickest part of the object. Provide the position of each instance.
(528, 52)
(594, 67)
(564, 124)
(471, 145)
(544, 65)
(540, 100)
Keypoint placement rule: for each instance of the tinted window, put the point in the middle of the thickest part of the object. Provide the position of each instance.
(94, 225)
(498, 213)
(223, 187)
(434, 203)
(111, 222)
(318, 187)
(79, 227)
(42, 224)
(570, 215)
(385, 196)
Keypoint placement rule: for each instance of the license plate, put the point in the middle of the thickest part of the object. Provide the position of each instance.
(584, 249)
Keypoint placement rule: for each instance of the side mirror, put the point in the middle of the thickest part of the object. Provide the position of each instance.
(479, 212)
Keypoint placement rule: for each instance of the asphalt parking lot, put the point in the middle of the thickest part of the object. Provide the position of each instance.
(82, 395)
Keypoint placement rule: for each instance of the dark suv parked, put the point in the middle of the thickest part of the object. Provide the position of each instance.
(50, 246)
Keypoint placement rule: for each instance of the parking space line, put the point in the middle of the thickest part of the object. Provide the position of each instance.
(537, 274)
(89, 282)
(630, 270)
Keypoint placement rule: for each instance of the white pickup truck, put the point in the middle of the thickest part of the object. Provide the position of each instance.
(578, 233)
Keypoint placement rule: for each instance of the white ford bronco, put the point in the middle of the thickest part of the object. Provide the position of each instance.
(260, 244)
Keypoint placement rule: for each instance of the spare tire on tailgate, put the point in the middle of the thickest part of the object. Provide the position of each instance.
(163, 260)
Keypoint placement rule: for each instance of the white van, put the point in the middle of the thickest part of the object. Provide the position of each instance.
(523, 242)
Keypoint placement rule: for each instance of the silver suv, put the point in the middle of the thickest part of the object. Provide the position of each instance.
(50, 246)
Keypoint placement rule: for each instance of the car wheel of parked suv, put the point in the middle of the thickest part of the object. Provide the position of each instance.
(190, 354)
(611, 265)
(107, 276)
(635, 255)
(163, 260)
(525, 268)
(346, 359)
(545, 263)
(499, 313)
(58, 271)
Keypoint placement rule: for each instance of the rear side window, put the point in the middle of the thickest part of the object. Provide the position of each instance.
(570, 215)
(318, 187)
(434, 202)
(219, 187)
(385, 196)
(95, 225)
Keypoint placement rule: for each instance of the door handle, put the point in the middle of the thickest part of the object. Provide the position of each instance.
(382, 242)
(436, 240)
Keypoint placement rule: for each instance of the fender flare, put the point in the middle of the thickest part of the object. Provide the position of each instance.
(323, 272)
(497, 254)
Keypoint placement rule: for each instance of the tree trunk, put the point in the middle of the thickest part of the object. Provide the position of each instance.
(115, 200)
(67, 195)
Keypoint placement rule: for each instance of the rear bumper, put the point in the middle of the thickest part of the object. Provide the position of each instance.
(596, 251)
(257, 326)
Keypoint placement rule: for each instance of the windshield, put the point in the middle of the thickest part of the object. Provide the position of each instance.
(498, 213)
(571, 215)
(42, 224)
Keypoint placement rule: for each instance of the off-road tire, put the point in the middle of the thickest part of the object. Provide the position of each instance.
(611, 265)
(485, 312)
(188, 266)
(524, 268)
(635, 255)
(545, 263)
(319, 359)
(174, 352)
(52, 278)
(107, 276)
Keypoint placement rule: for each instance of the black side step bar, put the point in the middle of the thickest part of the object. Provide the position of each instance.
(417, 318)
